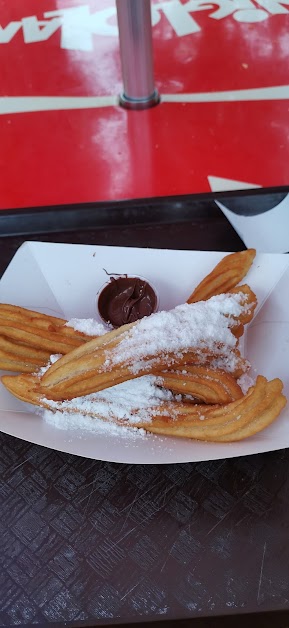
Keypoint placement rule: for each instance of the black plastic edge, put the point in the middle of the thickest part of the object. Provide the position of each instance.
(126, 212)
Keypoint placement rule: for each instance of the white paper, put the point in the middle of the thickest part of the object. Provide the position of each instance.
(267, 232)
(64, 279)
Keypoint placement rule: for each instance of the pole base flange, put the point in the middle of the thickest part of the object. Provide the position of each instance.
(136, 103)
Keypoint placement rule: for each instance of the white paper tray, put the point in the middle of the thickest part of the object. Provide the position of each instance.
(63, 279)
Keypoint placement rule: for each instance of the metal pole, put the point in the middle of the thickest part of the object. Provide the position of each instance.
(136, 52)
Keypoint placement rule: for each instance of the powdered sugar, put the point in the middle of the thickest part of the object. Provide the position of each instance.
(227, 363)
(129, 403)
(53, 358)
(201, 327)
(79, 422)
(245, 382)
(88, 326)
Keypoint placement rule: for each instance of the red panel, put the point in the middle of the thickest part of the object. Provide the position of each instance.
(108, 153)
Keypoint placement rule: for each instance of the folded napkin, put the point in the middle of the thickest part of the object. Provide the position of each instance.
(262, 222)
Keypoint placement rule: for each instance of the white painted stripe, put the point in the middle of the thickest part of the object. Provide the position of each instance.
(220, 184)
(25, 104)
(29, 104)
(259, 93)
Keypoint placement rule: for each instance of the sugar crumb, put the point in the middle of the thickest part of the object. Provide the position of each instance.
(88, 326)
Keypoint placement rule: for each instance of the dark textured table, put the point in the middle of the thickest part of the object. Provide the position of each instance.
(94, 543)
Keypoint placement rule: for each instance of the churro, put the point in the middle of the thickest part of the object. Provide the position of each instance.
(188, 334)
(28, 338)
(225, 276)
(203, 384)
(229, 422)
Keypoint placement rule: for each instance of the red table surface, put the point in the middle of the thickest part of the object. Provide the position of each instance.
(101, 153)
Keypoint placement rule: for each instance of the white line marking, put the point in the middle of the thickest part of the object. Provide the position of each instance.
(220, 184)
(259, 93)
(30, 104)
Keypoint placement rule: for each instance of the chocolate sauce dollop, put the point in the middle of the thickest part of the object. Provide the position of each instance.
(125, 300)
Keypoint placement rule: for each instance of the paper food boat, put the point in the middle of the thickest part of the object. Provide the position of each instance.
(63, 280)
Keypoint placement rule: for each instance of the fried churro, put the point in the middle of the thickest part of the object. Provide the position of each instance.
(225, 276)
(191, 333)
(28, 338)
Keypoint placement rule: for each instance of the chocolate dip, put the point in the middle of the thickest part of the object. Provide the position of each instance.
(125, 300)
